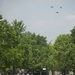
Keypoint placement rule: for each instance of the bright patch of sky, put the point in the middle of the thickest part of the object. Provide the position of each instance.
(39, 17)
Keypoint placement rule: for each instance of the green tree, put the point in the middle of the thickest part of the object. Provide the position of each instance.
(10, 35)
(63, 45)
(22, 49)
(35, 51)
(72, 52)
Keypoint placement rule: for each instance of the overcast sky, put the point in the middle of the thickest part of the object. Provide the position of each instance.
(39, 17)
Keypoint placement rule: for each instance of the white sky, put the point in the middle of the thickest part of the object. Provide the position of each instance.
(39, 17)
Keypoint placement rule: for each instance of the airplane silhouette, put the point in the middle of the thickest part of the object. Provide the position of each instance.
(57, 12)
(61, 7)
(51, 6)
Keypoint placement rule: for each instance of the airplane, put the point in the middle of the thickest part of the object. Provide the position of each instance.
(51, 6)
(61, 7)
(57, 12)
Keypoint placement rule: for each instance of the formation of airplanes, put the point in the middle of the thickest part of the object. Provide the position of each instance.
(57, 11)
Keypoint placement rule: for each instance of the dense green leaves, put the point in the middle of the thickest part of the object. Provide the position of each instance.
(65, 52)
(22, 49)
(10, 54)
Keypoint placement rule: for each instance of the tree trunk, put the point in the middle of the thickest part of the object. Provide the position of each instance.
(13, 72)
(53, 72)
(64, 72)
(73, 72)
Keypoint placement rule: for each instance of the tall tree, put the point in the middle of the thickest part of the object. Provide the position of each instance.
(9, 44)
(63, 45)
(72, 52)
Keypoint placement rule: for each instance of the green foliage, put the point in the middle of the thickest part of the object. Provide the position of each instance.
(65, 52)
(73, 34)
(10, 54)
(22, 49)
(72, 52)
